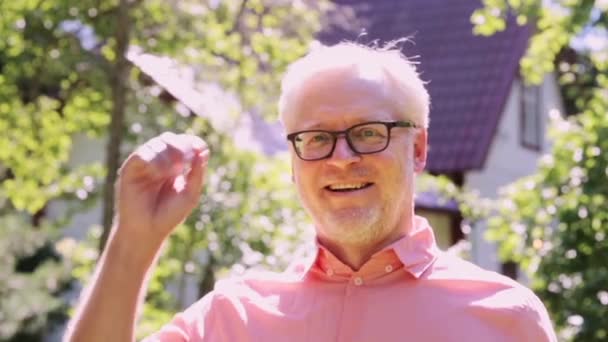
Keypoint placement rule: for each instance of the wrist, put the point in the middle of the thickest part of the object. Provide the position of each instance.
(129, 254)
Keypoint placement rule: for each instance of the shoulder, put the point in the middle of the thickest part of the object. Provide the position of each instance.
(227, 302)
(463, 276)
(452, 268)
(254, 286)
(493, 296)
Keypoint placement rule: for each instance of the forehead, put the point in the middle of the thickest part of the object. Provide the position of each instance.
(340, 97)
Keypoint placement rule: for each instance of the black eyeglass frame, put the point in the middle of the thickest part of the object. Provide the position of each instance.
(336, 134)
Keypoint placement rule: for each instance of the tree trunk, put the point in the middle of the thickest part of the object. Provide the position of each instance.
(207, 281)
(118, 81)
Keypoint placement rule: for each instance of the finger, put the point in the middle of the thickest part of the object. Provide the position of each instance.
(137, 160)
(179, 151)
(164, 155)
(149, 159)
(195, 179)
(140, 164)
(191, 146)
(196, 143)
(163, 158)
(157, 144)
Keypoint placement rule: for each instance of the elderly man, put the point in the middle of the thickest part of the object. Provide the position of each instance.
(357, 122)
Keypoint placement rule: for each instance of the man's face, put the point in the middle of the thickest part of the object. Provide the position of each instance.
(354, 199)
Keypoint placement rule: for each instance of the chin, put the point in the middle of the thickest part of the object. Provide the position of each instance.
(353, 225)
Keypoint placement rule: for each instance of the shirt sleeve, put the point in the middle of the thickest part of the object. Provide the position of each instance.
(535, 324)
(188, 325)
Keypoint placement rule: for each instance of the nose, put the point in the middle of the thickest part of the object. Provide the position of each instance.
(343, 155)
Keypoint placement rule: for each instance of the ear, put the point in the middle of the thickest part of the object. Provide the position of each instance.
(420, 149)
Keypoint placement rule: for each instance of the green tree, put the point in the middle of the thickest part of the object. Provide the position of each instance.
(57, 63)
(241, 45)
(554, 223)
(47, 94)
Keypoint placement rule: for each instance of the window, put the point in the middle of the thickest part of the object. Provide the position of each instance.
(510, 269)
(445, 224)
(530, 126)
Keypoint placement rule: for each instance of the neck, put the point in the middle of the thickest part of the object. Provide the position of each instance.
(356, 255)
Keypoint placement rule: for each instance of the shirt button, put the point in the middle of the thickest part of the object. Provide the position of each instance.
(388, 268)
(329, 272)
(358, 281)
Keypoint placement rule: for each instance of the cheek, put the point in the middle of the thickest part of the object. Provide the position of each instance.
(303, 176)
(405, 159)
(398, 161)
(397, 170)
(299, 171)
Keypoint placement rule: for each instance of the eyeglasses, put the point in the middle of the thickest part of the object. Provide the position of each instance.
(363, 138)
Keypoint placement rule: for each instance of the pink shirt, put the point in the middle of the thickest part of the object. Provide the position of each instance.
(410, 291)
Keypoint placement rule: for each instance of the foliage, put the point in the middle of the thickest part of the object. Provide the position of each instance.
(469, 202)
(31, 278)
(248, 217)
(55, 62)
(555, 24)
(554, 223)
(49, 91)
(243, 45)
(43, 102)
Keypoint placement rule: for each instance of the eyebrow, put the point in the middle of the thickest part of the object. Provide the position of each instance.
(380, 115)
(319, 125)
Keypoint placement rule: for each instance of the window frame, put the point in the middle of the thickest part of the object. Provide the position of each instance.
(524, 140)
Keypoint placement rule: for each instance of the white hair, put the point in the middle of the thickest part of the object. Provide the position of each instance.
(386, 65)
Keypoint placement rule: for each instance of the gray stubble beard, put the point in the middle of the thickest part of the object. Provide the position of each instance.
(360, 229)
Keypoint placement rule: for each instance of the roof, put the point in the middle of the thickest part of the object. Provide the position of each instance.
(209, 100)
(433, 200)
(469, 77)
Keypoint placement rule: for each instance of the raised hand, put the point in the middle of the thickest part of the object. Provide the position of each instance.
(158, 186)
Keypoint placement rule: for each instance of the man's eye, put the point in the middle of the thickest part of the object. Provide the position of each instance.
(369, 133)
(319, 138)
(312, 139)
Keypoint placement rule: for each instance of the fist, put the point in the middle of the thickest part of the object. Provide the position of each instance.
(158, 186)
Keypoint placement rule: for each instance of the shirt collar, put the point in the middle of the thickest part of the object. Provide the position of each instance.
(416, 252)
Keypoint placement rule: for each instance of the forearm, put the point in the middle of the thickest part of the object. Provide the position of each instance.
(108, 306)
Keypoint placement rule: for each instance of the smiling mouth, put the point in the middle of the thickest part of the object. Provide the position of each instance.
(347, 187)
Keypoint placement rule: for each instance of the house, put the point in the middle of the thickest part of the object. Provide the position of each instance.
(487, 128)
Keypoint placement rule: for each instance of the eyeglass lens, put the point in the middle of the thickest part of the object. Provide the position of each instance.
(367, 138)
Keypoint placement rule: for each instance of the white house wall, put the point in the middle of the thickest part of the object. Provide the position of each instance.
(508, 161)
(86, 151)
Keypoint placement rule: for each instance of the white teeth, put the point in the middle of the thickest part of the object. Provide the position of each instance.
(346, 186)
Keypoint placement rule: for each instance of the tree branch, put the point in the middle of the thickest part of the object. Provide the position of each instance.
(237, 20)
(112, 11)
